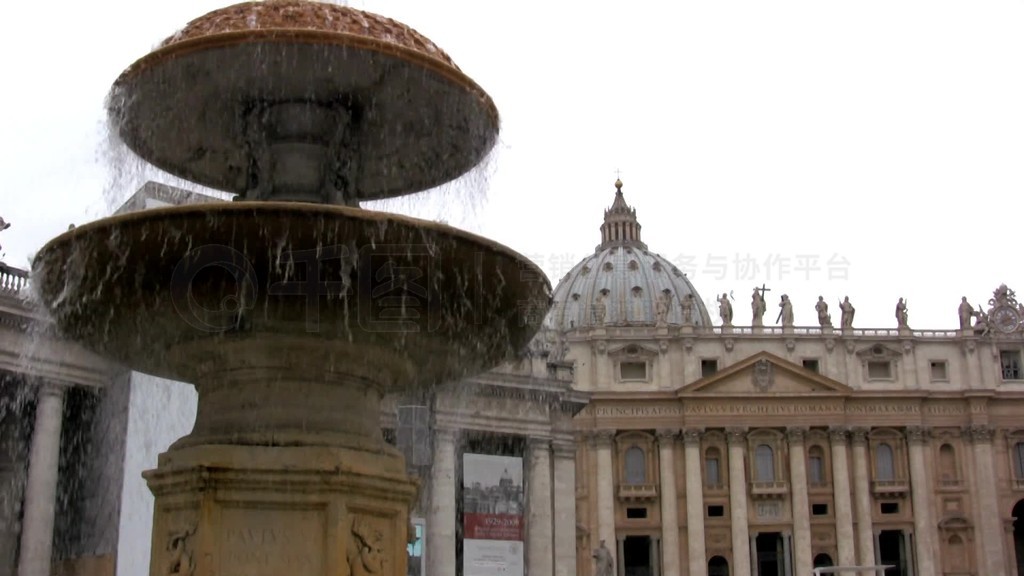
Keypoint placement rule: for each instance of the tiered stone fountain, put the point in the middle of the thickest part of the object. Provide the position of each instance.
(292, 310)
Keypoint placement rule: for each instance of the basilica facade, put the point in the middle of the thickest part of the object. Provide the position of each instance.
(725, 447)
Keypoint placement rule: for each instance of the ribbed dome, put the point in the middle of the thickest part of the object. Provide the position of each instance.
(623, 283)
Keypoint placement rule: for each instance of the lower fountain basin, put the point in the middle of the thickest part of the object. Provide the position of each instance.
(295, 290)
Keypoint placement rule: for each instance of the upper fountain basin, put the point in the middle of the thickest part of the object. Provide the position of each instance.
(308, 290)
(393, 114)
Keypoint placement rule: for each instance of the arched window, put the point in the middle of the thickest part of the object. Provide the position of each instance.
(947, 464)
(764, 458)
(636, 466)
(885, 465)
(718, 566)
(712, 467)
(823, 561)
(1018, 460)
(816, 466)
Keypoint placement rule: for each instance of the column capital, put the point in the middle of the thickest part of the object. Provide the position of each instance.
(445, 434)
(692, 435)
(978, 433)
(667, 436)
(51, 389)
(563, 449)
(917, 434)
(602, 438)
(796, 435)
(736, 435)
(859, 435)
(538, 443)
(838, 434)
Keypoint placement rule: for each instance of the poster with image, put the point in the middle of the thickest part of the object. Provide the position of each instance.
(492, 510)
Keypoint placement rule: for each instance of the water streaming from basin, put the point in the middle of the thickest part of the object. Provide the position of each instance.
(293, 310)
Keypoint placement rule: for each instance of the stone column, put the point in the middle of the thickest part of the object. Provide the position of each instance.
(862, 498)
(606, 491)
(921, 496)
(841, 496)
(669, 503)
(801, 507)
(441, 519)
(565, 508)
(39, 507)
(696, 546)
(539, 555)
(988, 503)
(738, 501)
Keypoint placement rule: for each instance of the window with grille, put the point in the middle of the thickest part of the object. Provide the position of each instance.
(885, 466)
(764, 458)
(1010, 360)
(713, 475)
(816, 466)
(636, 472)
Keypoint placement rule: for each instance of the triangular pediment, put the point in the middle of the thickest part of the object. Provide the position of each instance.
(765, 373)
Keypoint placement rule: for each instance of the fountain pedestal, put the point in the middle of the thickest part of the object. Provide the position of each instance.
(298, 510)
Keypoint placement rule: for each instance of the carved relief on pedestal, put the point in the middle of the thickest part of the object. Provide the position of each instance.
(180, 560)
(368, 547)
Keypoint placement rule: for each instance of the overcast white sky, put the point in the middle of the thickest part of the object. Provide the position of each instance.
(888, 135)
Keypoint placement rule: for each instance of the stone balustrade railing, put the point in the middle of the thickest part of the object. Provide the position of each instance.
(12, 280)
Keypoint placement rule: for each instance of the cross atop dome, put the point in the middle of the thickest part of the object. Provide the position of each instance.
(620, 226)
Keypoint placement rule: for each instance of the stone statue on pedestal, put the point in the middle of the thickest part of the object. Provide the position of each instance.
(966, 312)
(687, 306)
(604, 564)
(786, 312)
(758, 307)
(824, 318)
(901, 314)
(725, 310)
(847, 318)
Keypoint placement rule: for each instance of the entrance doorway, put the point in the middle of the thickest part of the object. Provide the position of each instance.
(636, 556)
(1018, 535)
(892, 551)
(770, 556)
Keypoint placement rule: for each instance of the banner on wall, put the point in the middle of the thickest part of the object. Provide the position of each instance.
(492, 513)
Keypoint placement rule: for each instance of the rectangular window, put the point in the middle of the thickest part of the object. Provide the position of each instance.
(939, 372)
(1018, 452)
(708, 366)
(636, 513)
(811, 364)
(890, 507)
(879, 370)
(1010, 360)
(633, 370)
(819, 509)
(716, 511)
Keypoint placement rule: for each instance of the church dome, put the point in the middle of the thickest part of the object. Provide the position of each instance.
(623, 283)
